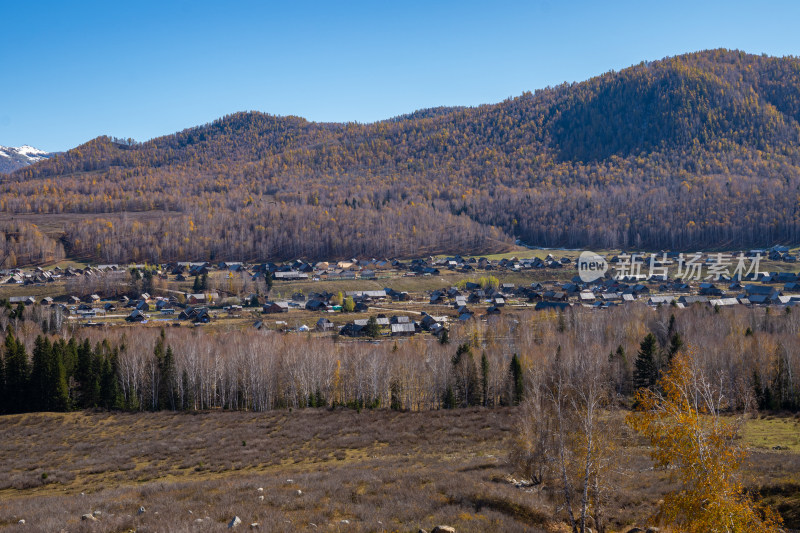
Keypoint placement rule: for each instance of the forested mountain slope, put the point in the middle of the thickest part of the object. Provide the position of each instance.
(699, 150)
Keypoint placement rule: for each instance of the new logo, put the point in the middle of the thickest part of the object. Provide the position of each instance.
(591, 266)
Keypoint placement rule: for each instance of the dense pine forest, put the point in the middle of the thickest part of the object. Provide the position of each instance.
(695, 151)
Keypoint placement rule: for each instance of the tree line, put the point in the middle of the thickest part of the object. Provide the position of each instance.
(751, 353)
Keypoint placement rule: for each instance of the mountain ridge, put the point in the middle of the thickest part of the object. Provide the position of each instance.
(697, 150)
(13, 158)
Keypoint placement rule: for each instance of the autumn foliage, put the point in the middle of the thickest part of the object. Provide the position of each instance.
(682, 419)
(695, 151)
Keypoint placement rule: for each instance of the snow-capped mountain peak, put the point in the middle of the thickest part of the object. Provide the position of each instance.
(12, 158)
(30, 151)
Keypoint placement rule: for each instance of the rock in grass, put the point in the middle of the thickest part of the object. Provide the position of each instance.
(141, 510)
(299, 492)
(21, 522)
(89, 517)
(254, 525)
(234, 522)
(443, 529)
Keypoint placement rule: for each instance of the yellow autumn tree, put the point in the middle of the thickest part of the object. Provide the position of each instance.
(681, 418)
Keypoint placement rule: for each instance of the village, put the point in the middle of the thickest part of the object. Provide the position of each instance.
(378, 298)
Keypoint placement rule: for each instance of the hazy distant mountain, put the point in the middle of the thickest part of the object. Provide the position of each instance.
(13, 158)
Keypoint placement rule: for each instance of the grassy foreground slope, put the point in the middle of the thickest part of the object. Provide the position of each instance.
(367, 471)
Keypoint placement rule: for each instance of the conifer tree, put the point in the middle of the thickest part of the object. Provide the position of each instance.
(156, 365)
(39, 375)
(18, 313)
(517, 380)
(372, 329)
(167, 381)
(449, 400)
(110, 395)
(147, 281)
(188, 391)
(268, 281)
(84, 375)
(675, 345)
(58, 390)
(96, 374)
(70, 357)
(620, 354)
(16, 361)
(645, 375)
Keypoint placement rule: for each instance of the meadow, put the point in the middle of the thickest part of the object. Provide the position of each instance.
(321, 470)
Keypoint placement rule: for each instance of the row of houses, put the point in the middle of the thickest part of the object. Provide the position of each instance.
(609, 292)
(352, 269)
(322, 301)
(601, 297)
(38, 275)
(395, 326)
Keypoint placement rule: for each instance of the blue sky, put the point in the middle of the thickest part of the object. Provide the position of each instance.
(76, 70)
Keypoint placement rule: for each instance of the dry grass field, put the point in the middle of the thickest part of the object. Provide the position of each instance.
(320, 470)
(55, 224)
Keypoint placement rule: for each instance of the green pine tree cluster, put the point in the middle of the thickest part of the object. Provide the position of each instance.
(58, 376)
(653, 357)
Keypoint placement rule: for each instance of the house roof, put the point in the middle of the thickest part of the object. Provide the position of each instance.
(403, 328)
(655, 300)
(364, 321)
(759, 289)
(692, 299)
(723, 302)
(368, 294)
